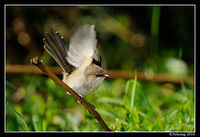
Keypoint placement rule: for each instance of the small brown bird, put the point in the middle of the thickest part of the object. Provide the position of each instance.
(81, 63)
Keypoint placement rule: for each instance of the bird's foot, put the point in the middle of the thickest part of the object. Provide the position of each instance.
(82, 99)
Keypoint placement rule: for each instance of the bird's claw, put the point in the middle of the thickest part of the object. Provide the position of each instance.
(82, 99)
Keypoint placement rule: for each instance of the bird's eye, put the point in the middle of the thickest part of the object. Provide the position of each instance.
(98, 74)
(101, 75)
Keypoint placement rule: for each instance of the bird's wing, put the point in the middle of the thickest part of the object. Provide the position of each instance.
(83, 45)
(55, 46)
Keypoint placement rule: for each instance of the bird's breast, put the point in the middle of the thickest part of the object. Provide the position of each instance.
(80, 84)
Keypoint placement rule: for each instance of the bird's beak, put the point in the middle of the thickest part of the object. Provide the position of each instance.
(106, 75)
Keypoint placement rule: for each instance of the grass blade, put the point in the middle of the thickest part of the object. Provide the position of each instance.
(155, 20)
(22, 120)
(35, 120)
(133, 92)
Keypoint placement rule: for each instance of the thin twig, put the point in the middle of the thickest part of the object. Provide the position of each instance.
(82, 100)
(157, 77)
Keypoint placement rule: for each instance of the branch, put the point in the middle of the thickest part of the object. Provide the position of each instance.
(82, 100)
(157, 77)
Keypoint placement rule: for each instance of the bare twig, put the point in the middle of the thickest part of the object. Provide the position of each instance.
(161, 78)
(82, 100)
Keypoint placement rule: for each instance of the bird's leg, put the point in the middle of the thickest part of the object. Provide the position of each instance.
(82, 98)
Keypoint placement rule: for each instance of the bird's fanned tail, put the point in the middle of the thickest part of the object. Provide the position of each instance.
(55, 46)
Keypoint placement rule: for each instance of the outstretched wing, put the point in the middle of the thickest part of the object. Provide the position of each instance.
(83, 45)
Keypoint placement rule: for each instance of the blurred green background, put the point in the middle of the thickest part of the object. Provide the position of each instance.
(149, 39)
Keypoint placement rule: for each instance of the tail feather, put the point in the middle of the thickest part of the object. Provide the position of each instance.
(55, 46)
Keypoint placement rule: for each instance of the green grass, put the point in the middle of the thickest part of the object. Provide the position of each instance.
(124, 105)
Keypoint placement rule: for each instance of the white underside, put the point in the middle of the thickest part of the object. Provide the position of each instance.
(80, 84)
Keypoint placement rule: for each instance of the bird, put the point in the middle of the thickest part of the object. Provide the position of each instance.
(81, 62)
